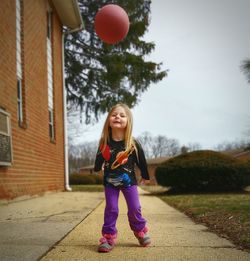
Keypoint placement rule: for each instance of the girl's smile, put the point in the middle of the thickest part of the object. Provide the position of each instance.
(118, 118)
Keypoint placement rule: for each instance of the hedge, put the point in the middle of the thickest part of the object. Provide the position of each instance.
(206, 171)
(83, 179)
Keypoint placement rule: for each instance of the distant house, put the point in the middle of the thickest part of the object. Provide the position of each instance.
(240, 154)
(243, 155)
(152, 165)
(86, 170)
(33, 158)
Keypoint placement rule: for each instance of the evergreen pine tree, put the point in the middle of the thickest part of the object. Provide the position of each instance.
(99, 75)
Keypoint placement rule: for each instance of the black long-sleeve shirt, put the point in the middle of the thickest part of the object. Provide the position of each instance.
(124, 174)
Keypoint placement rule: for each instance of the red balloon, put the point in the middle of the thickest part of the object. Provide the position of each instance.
(111, 24)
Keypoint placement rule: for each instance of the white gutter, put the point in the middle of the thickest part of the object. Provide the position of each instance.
(66, 145)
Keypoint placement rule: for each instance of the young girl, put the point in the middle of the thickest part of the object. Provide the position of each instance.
(118, 152)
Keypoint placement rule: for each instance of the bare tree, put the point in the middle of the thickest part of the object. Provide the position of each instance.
(88, 152)
(163, 146)
(233, 145)
(173, 147)
(81, 155)
(146, 140)
(158, 146)
(194, 146)
(76, 128)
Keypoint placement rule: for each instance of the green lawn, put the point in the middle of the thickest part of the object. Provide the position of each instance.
(226, 214)
(87, 188)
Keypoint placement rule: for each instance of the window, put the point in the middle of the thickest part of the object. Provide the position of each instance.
(19, 61)
(20, 65)
(19, 101)
(50, 77)
(18, 39)
(51, 126)
(49, 14)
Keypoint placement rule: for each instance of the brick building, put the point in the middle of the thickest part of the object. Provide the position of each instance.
(32, 100)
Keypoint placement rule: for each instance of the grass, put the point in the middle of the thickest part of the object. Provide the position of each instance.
(225, 214)
(87, 188)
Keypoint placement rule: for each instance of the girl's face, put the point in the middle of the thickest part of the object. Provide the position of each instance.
(118, 118)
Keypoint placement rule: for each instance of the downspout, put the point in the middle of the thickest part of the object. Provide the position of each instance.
(66, 145)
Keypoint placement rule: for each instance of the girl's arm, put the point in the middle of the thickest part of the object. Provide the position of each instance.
(98, 161)
(142, 163)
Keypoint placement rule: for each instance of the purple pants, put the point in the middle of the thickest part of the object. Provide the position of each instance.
(136, 221)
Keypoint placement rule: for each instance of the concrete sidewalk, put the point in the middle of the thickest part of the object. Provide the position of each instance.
(174, 237)
(29, 228)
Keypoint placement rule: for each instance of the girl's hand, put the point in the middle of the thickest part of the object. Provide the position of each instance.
(144, 182)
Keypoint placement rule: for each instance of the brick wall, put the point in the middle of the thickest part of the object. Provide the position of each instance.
(38, 163)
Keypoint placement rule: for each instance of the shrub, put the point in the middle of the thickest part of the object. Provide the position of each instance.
(207, 171)
(80, 179)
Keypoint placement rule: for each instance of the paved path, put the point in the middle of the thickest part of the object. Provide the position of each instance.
(29, 228)
(174, 237)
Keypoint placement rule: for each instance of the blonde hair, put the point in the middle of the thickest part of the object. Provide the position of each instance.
(106, 131)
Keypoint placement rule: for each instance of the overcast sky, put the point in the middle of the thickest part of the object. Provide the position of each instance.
(206, 97)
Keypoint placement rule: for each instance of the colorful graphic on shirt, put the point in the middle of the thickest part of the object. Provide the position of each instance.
(105, 152)
(121, 180)
(121, 158)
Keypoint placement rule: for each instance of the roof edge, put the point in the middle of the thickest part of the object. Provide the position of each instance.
(69, 13)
